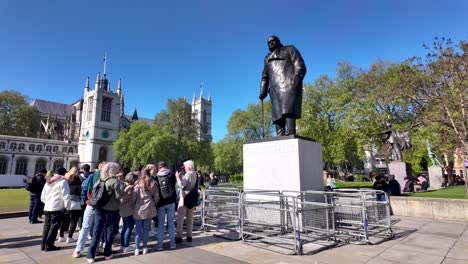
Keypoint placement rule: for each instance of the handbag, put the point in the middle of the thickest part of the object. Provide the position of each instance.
(191, 199)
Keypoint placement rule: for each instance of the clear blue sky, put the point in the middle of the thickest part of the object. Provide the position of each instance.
(165, 49)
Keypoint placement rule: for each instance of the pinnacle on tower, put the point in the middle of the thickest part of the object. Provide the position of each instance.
(201, 91)
(119, 87)
(193, 98)
(87, 84)
(96, 86)
(209, 97)
(135, 115)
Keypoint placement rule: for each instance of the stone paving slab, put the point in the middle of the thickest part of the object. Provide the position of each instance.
(416, 241)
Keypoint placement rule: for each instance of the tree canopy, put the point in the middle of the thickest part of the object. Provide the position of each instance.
(17, 117)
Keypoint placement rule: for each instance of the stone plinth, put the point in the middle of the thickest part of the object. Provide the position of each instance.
(436, 177)
(283, 163)
(400, 170)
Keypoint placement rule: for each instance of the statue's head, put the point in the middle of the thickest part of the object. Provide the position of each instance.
(274, 43)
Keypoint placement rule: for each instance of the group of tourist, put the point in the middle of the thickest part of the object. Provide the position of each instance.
(97, 201)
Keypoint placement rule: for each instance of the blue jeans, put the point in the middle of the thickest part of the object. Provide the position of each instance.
(34, 206)
(126, 233)
(86, 227)
(142, 229)
(102, 219)
(168, 209)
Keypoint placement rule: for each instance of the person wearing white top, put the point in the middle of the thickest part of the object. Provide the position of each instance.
(56, 197)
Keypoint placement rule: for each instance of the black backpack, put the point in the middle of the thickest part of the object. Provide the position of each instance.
(99, 196)
(31, 185)
(166, 187)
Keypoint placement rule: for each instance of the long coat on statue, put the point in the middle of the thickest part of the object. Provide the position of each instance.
(282, 76)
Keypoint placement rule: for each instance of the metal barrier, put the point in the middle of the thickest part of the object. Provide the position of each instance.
(362, 215)
(265, 218)
(221, 212)
(296, 222)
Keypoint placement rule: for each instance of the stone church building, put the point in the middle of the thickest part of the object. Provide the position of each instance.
(83, 132)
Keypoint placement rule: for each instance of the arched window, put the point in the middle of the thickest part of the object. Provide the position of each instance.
(64, 149)
(89, 115)
(3, 165)
(2, 145)
(102, 153)
(55, 149)
(21, 147)
(70, 150)
(13, 146)
(106, 109)
(21, 166)
(48, 149)
(41, 164)
(39, 148)
(31, 147)
(58, 164)
(204, 117)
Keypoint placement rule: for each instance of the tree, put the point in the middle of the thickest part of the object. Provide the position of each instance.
(228, 155)
(326, 117)
(17, 117)
(247, 124)
(172, 138)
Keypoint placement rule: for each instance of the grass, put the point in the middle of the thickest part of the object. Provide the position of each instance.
(14, 200)
(353, 185)
(457, 192)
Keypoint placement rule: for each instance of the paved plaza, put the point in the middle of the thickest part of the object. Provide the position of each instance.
(416, 241)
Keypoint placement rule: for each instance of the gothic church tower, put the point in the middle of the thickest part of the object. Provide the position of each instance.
(201, 109)
(100, 121)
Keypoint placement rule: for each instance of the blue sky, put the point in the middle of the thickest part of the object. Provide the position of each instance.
(165, 49)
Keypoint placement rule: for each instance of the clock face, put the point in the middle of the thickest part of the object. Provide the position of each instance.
(105, 134)
(86, 134)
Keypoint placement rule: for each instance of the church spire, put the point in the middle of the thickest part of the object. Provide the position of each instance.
(119, 87)
(201, 91)
(96, 86)
(135, 116)
(87, 84)
(104, 60)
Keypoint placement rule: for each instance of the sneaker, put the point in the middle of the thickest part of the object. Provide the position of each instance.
(189, 239)
(128, 249)
(173, 246)
(70, 240)
(90, 260)
(109, 257)
(145, 251)
(159, 248)
(137, 252)
(178, 240)
(76, 254)
(90, 237)
(61, 239)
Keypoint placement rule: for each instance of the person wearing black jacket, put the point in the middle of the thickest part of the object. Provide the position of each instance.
(166, 182)
(35, 189)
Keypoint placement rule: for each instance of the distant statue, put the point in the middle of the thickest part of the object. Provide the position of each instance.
(432, 155)
(282, 77)
(397, 141)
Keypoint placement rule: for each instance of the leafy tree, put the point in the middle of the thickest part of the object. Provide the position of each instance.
(247, 124)
(172, 138)
(443, 88)
(228, 155)
(17, 117)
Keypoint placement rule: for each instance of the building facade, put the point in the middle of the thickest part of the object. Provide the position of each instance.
(201, 110)
(82, 132)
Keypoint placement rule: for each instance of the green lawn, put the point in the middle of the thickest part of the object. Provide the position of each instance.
(457, 192)
(14, 200)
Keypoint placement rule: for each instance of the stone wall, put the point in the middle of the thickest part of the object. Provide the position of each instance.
(433, 208)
